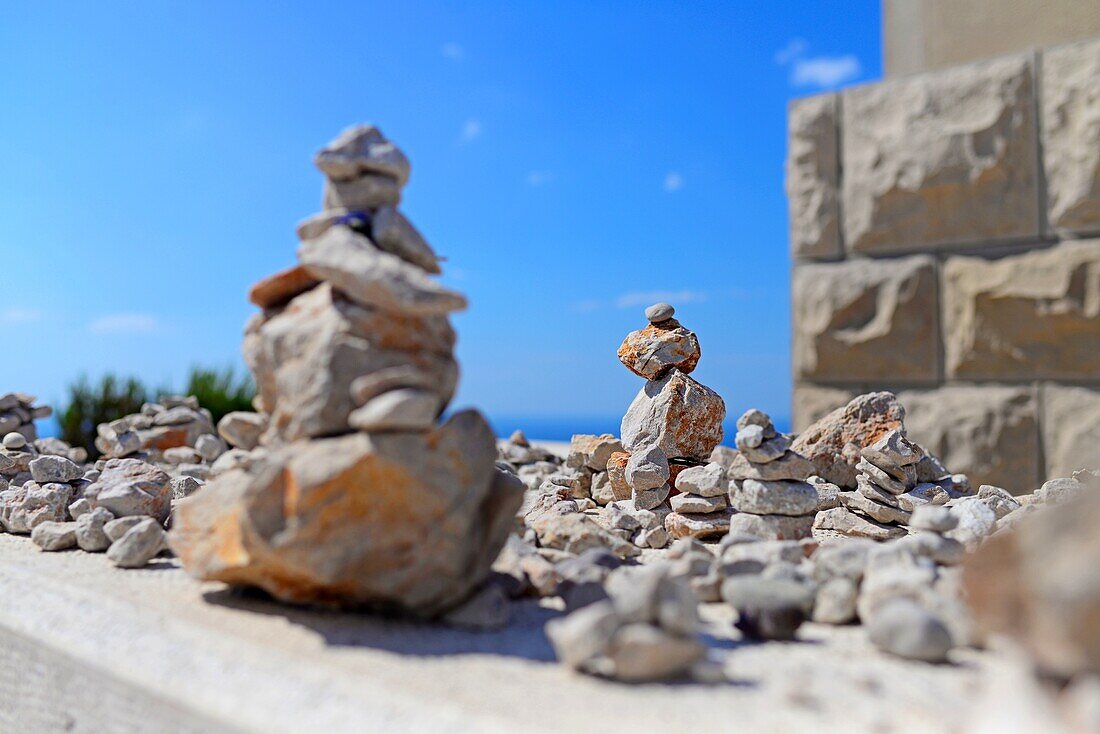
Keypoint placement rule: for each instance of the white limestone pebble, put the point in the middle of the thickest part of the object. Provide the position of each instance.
(139, 545)
(14, 440)
(90, 533)
(54, 536)
(904, 628)
(659, 312)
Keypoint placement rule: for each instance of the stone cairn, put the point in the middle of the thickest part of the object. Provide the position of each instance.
(673, 424)
(768, 486)
(18, 413)
(353, 493)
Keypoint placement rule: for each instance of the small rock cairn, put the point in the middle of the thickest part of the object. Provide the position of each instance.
(352, 492)
(768, 486)
(18, 413)
(674, 423)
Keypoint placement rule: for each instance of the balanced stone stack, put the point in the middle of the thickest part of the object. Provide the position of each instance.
(768, 486)
(18, 413)
(355, 494)
(888, 489)
(674, 422)
(700, 510)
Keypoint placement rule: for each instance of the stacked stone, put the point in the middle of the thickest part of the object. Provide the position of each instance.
(674, 423)
(768, 486)
(888, 489)
(700, 510)
(584, 474)
(354, 493)
(18, 413)
(644, 630)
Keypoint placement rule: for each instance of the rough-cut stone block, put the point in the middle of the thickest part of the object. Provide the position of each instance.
(1071, 429)
(813, 177)
(811, 402)
(1035, 315)
(989, 432)
(866, 320)
(941, 159)
(1070, 109)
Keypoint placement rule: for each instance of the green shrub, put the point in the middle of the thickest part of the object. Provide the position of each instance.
(89, 405)
(220, 391)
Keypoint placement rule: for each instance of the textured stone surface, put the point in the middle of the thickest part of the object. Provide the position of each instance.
(276, 290)
(1070, 108)
(941, 158)
(772, 527)
(810, 402)
(833, 443)
(1071, 429)
(654, 350)
(1034, 315)
(677, 414)
(990, 433)
(306, 356)
(866, 320)
(132, 487)
(407, 520)
(813, 177)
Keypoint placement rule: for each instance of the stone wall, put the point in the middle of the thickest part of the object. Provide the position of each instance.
(945, 232)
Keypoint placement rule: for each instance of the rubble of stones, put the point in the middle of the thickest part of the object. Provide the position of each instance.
(848, 523)
(121, 503)
(348, 486)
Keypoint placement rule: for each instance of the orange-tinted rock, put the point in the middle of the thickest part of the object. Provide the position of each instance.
(277, 290)
(404, 520)
(616, 475)
(833, 443)
(1039, 585)
(654, 350)
(677, 414)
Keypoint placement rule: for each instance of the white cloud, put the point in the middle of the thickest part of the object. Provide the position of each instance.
(124, 323)
(471, 130)
(453, 51)
(825, 71)
(793, 50)
(538, 178)
(19, 315)
(646, 298)
(673, 182)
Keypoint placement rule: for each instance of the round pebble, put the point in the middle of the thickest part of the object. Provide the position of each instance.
(15, 440)
(659, 312)
(938, 519)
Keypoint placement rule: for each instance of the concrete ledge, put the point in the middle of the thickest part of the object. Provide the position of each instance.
(87, 648)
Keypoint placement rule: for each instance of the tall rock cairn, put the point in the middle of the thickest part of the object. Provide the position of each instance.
(353, 492)
(673, 423)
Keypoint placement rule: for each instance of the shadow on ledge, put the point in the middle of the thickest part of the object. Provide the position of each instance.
(523, 637)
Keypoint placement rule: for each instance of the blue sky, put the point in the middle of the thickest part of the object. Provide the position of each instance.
(573, 160)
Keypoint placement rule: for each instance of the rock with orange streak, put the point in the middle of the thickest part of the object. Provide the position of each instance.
(658, 348)
(408, 521)
(276, 290)
(834, 443)
(677, 414)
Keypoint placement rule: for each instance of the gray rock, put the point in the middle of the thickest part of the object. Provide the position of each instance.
(841, 521)
(882, 478)
(360, 194)
(14, 440)
(90, 531)
(22, 508)
(766, 452)
(132, 487)
(706, 481)
(581, 637)
(892, 451)
(47, 469)
(773, 497)
(874, 510)
(768, 609)
(242, 429)
(648, 499)
(642, 652)
(403, 409)
(392, 232)
(772, 527)
(790, 466)
(79, 507)
(904, 628)
(872, 491)
(359, 150)
(835, 602)
(659, 312)
(975, 519)
(185, 486)
(54, 536)
(934, 518)
(375, 278)
(845, 558)
(999, 500)
(695, 503)
(944, 551)
(749, 437)
(695, 525)
(210, 447)
(115, 529)
(925, 494)
(138, 545)
(828, 494)
(647, 469)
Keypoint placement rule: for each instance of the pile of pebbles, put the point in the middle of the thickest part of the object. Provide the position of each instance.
(768, 483)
